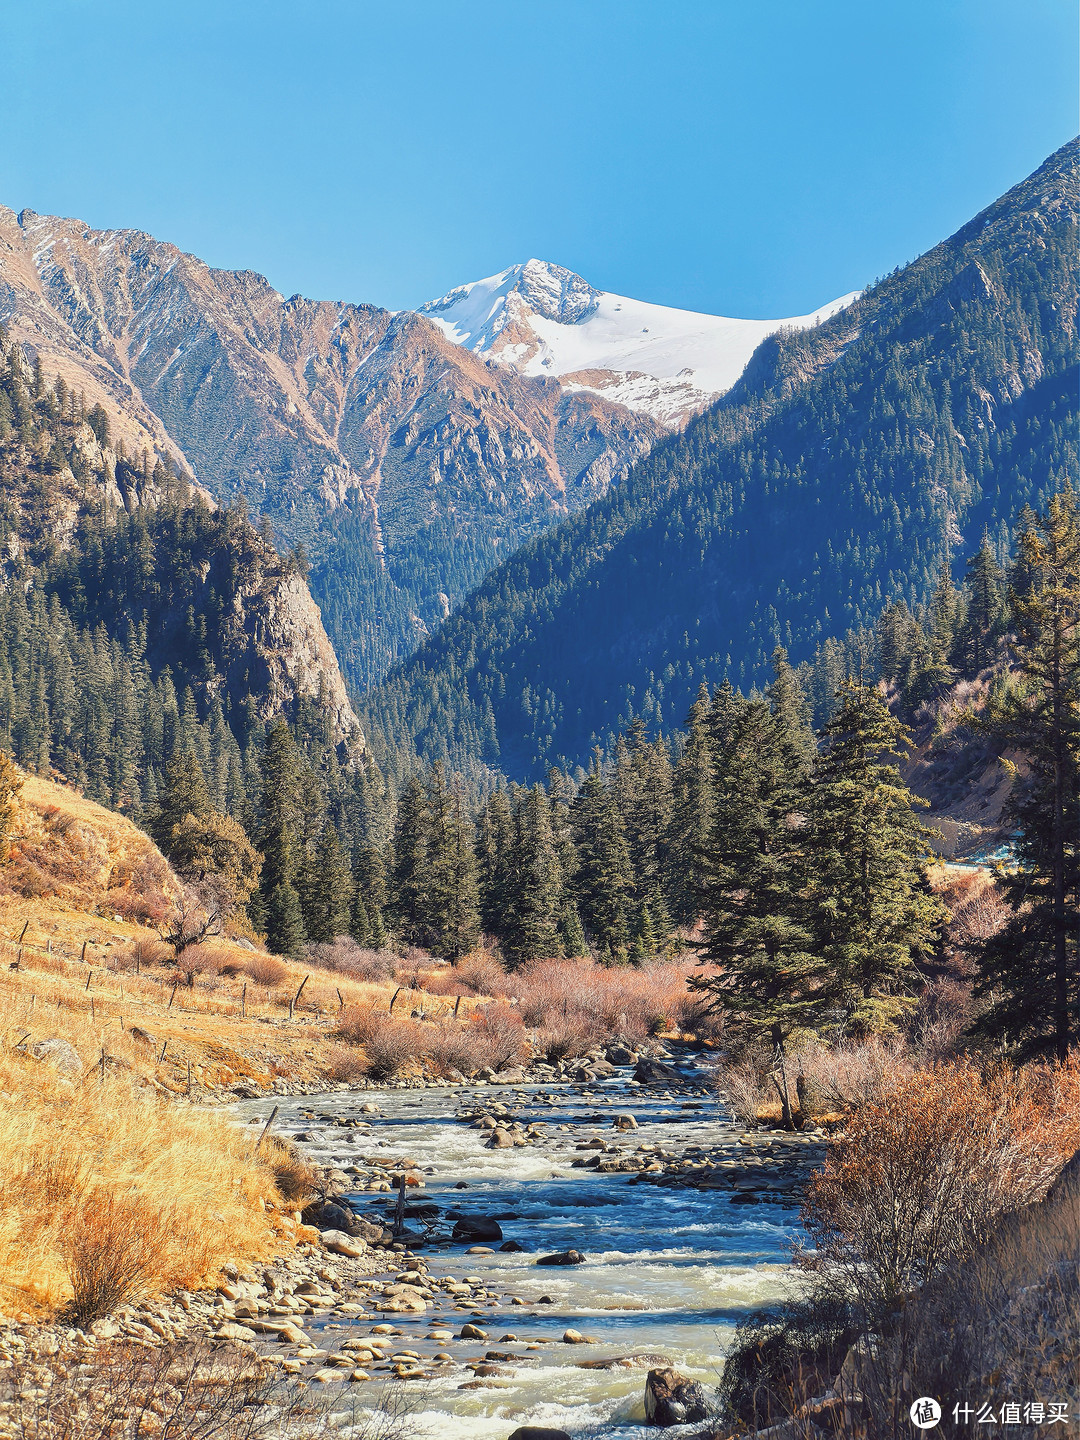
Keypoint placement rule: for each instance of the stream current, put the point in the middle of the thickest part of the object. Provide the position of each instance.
(669, 1272)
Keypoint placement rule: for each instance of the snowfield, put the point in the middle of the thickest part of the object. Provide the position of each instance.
(545, 320)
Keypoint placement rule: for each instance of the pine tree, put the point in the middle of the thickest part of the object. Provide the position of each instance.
(691, 816)
(278, 909)
(871, 914)
(604, 880)
(409, 880)
(330, 890)
(767, 979)
(1031, 969)
(451, 920)
(494, 850)
(530, 925)
(984, 622)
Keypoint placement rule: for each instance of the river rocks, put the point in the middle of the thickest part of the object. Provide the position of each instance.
(620, 1055)
(562, 1257)
(477, 1227)
(673, 1399)
(59, 1053)
(575, 1337)
(339, 1243)
(512, 1247)
(472, 1332)
(653, 1072)
(500, 1140)
(538, 1432)
(624, 1121)
(230, 1330)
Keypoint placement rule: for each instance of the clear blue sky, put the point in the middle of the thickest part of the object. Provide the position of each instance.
(747, 157)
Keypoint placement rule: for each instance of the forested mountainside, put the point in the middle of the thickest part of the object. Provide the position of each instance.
(136, 622)
(843, 471)
(406, 465)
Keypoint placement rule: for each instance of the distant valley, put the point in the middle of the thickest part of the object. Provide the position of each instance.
(408, 453)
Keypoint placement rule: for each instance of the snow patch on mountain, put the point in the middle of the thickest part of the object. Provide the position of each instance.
(544, 320)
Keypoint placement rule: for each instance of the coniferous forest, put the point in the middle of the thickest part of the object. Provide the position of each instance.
(793, 856)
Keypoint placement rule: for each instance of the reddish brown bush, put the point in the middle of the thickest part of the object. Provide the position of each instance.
(501, 1034)
(479, 974)
(266, 970)
(345, 957)
(388, 1044)
(140, 954)
(113, 1246)
(453, 1047)
(925, 1168)
(345, 1063)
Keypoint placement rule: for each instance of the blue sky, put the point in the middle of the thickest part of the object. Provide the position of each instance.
(746, 157)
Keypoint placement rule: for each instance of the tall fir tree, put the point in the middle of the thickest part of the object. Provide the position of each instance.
(530, 929)
(451, 916)
(1031, 969)
(871, 914)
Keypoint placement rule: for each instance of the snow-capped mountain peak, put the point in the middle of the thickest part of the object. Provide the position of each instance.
(542, 319)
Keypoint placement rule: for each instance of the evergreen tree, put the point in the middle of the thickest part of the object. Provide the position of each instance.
(768, 980)
(451, 920)
(984, 622)
(871, 915)
(327, 912)
(530, 926)
(1031, 969)
(278, 908)
(604, 881)
(409, 885)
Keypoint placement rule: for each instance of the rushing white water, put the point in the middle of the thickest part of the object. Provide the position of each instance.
(669, 1272)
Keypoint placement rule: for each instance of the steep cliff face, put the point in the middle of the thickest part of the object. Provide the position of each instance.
(407, 465)
(131, 549)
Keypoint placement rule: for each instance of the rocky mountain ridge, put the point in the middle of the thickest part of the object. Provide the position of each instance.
(407, 465)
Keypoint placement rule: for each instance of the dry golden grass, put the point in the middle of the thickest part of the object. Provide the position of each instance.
(120, 1135)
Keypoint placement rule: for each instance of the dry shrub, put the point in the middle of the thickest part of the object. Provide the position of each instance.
(66, 1144)
(140, 954)
(986, 1327)
(981, 1302)
(455, 1048)
(114, 1247)
(925, 1168)
(597, 1002)
(831, 1078)
(501, 1035)
(977, 909)
(344, 1064)
(266, 970)
(345, 957)
(195, 960)
(294, 1175)
(389, 1044)
(565, 1038)
(479, 974)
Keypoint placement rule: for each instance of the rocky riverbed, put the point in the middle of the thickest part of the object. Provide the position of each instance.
(561, 1239)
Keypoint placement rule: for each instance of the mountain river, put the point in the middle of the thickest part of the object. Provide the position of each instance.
(669, 1272)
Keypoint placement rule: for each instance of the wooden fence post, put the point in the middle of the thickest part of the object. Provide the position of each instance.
(266, 1127)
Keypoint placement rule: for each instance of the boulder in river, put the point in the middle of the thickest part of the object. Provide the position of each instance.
(538, 1432)
(477, 1227)
(672, 1398)
(338, 1243)
(562, 1257)
(624, 1121)
(655, 1072)
(620, 1055)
